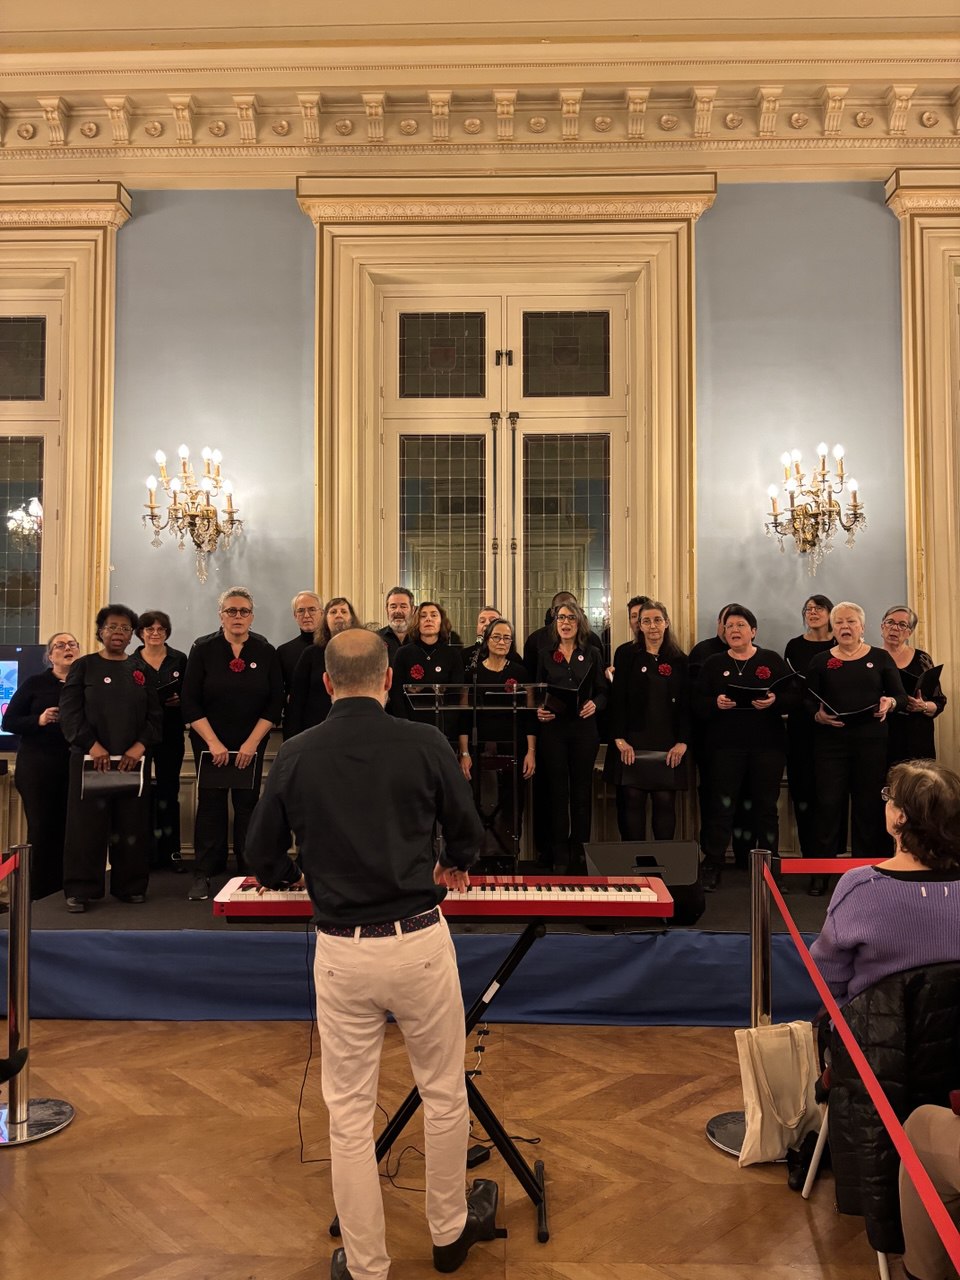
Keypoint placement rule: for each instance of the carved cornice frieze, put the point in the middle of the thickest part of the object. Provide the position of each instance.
(493, 209)
(38, 217)
(934, 192)
(905, 203)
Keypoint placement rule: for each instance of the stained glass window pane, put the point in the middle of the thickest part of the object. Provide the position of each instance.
(21, 478)
(443, 522)
(23, 342)
(566, 524)
(442, 355)
(566, 353)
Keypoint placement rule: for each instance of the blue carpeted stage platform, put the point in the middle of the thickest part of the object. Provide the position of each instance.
(680, 978)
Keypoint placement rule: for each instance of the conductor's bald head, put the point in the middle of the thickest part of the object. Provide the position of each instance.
(356, 662)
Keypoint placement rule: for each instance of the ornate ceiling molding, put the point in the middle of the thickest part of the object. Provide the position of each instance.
(924, 192)
(60, 206)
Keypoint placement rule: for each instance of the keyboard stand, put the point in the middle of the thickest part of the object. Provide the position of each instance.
(531, 1180)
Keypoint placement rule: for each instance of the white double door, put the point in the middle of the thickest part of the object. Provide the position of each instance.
(504, 448)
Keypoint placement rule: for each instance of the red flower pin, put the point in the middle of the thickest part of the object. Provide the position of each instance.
(665, 669)
(237, 664)
(834, 664)
(763, 673)
(558, 656)
(510, 685)
(416, 671)
(139, 678)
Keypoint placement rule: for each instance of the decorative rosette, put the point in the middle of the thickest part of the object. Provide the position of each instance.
(416, 671)
(763, 673)
(139, 678)
(558, 656)
(510, 685)
(665, 669)
(237, 664)
(834, 664)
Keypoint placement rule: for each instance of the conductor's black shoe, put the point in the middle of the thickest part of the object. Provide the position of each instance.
(76, 905)
(818, 886)
(710, 877)
(338, 1266)
(9, 1067)
(199, 890)
(481, 1224)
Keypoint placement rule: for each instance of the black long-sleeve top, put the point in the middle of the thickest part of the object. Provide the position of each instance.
(743, 728)
(641, 680)
(584, 671)
(542, 638)
(910, 733)
(170, 673)
(850, 685)
(419, 663)
(111, 702)
(232, 698)
(37, 694)
(361, 794)
(392, 641)
(290, 653)
(309, 701)
(495, 713)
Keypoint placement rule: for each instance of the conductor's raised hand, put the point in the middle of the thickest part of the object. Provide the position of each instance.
(451, 877)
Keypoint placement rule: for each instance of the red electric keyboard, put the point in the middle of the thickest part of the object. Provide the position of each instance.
(488, 898)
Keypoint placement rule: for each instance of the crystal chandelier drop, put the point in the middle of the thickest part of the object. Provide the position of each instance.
(813, 512)
(192, 512)
(25, 525)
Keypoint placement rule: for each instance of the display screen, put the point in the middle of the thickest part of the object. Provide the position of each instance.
(17, 661)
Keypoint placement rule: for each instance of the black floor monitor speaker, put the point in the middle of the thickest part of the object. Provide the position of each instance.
(677, 862)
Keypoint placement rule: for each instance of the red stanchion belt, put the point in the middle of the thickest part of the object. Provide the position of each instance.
(823, 866)
(934, 1206)
(9, 865)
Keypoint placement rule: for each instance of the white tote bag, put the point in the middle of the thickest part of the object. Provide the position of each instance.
(779, 1070)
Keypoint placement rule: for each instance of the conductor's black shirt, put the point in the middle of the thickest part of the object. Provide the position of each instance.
(361, 793)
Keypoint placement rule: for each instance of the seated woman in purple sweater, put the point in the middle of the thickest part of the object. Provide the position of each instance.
(905, 912)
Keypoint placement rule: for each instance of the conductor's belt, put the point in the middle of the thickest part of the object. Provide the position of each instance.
(389, 928)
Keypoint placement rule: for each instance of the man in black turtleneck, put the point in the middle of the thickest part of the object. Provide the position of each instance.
(307, 607)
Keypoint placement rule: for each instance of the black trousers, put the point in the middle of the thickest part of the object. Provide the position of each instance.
(632, 812)
(565, 755)
(499, 794)
(802, 780)
(42, 781)
(118, 827)
(167, 761)
(211, 825)
(850, 765)
(744, 787)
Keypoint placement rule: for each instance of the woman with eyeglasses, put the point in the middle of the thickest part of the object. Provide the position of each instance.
(42, 768)
(109, 708)
(567, 735)
(910, 731)
(649, 712)
(310, 703)
(170, 664)
(428, 657)
(232, 697)
(800, 651)
(852, 689)
(497, 732)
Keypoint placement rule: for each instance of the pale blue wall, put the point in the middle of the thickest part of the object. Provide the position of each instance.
(215, 341)
(798, 339)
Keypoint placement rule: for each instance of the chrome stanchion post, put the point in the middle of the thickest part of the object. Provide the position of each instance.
(24, 1119)
(727, 1130)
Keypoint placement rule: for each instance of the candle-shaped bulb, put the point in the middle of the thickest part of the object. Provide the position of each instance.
(838, 451)
(161, 458)
(175, 485)
(151, 491)
(785, 459)
(822, 449)
(206, 453)
(854, 488)
(795, 455)
(217, 456)
(791, 486)
(183, 452)
(151, 482)
(35, 509)
(772, 491)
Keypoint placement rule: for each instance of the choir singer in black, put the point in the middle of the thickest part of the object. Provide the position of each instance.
(362, 793)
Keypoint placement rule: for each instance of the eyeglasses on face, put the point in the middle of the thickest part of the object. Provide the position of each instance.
(66, 644)
(118, 631)
(898, 626)
(234, 612)
(306, 610)
(815, 608)
(886, 796)
(566, 617)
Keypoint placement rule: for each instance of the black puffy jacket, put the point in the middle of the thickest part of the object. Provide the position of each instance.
(908, 1026)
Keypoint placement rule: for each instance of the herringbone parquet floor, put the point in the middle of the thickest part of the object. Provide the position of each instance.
(183, 1162)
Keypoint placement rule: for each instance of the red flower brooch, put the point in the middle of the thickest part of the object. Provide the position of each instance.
(237, 664)
(416, 671)
(139, 678)
(510, 685)
(834, 664)
(763, 673)
(665, 669)
(558, 656)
